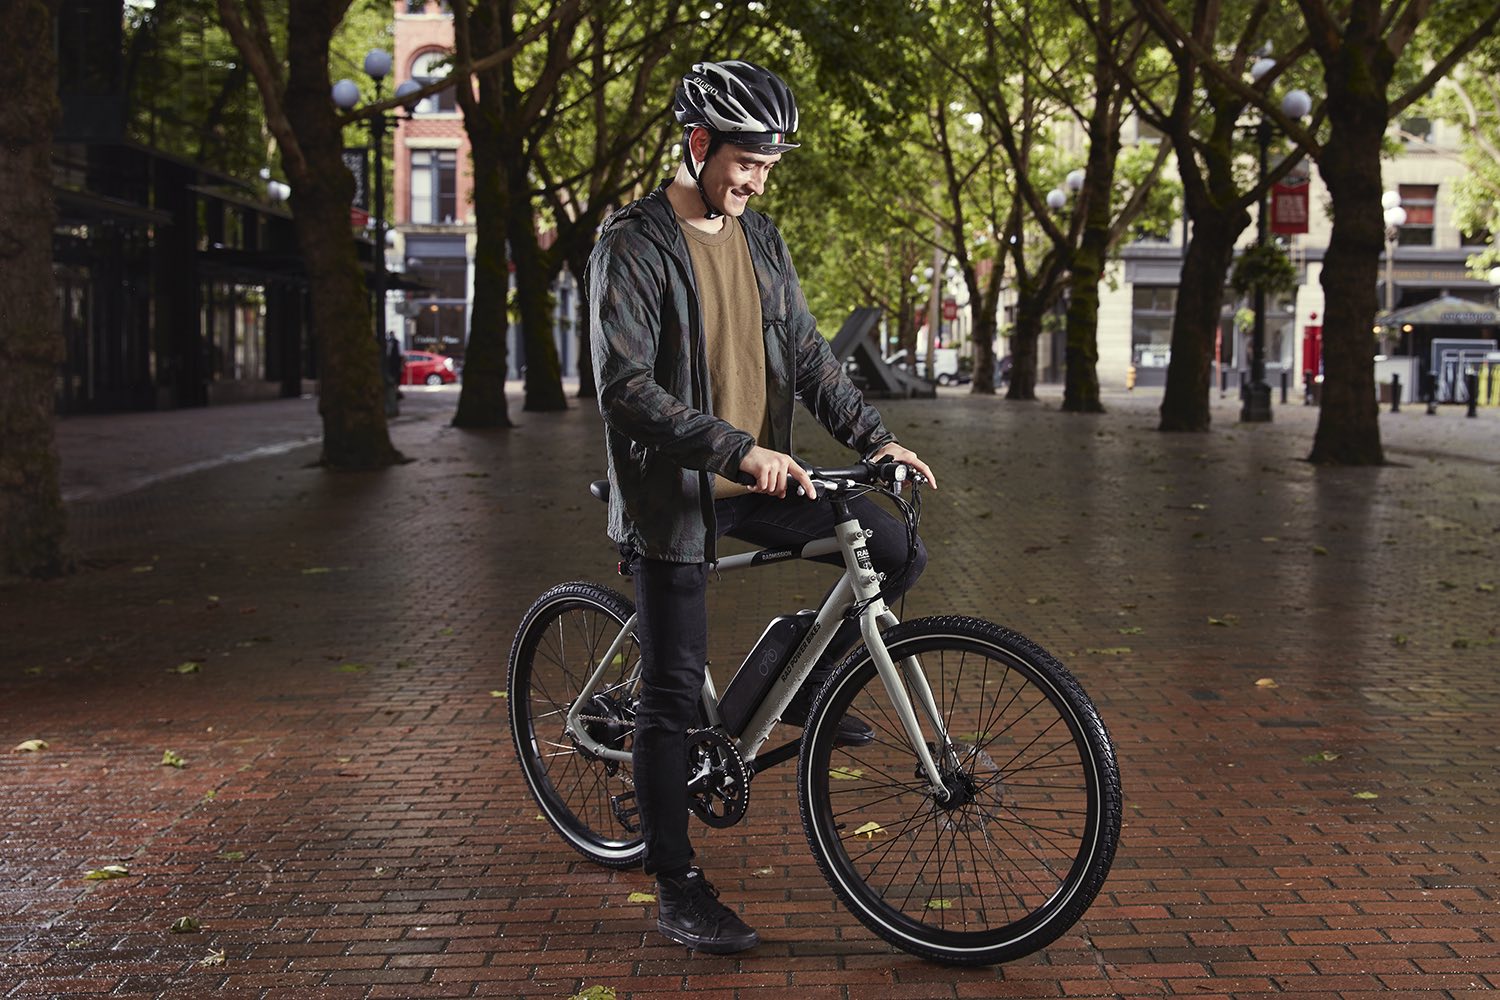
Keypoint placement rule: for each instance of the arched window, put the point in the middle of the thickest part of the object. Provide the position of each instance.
(427, 68)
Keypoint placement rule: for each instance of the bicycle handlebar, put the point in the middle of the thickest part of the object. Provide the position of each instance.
(887, 471)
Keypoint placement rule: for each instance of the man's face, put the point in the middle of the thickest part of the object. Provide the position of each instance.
(733, 174)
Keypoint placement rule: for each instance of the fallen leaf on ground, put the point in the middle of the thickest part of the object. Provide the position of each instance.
(214, 959)
(1321, 757)
(869, 830)
(231, 855)
(845, 773)
(1266, 682)
(497, 694)
(29, 746)
(171, 758)
(314, 570)
(1319, 550)
(939, 904)
(1109, 650)
(189, 667)
(1366, 795)
(594, 993)
(185, 925)
(107, 872)
(641, 897)
(351, 668)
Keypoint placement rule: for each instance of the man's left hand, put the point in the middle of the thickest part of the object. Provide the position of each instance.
(907, 457)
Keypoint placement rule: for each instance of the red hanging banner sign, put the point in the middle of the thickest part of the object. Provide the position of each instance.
(1289, 207)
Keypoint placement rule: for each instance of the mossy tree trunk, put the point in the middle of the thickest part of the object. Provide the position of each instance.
(32, 520)
(295, 90)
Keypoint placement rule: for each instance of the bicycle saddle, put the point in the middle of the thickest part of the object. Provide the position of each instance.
(600, 489)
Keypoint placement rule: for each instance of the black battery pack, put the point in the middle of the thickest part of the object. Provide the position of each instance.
(761, 668)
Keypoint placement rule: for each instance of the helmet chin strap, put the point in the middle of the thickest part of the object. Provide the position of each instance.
(709, 211)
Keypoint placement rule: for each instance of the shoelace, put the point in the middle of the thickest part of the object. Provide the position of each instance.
(701, 897)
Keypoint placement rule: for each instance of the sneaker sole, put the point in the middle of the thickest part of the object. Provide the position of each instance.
(710, 945)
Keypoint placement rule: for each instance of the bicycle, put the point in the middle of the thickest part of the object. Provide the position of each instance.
(976, 826)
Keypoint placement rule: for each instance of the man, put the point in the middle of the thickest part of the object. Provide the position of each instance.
(702, 338)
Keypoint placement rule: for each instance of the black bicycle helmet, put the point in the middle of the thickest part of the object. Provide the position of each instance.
(738, 102)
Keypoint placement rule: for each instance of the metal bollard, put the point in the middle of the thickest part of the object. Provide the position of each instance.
(1471, 383)
(1430, 383)
(1307, 384)
(1285, 377)
(1395, 393)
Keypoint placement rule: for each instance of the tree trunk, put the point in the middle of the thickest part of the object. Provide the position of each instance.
(985, 326)
(1195, 321)
(1081, 379)
(1349, 421)
(32, 520)
(351, 386)
(544, 391)
(481, 402)
(1030, 308)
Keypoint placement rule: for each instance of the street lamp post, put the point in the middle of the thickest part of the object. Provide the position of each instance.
(1296, 104)
(1060, 200)
(1395, 218)
(346, 95)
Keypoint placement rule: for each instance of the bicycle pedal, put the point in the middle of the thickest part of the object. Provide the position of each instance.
(625, 811)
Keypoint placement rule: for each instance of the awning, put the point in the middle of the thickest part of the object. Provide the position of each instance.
(1445, 310)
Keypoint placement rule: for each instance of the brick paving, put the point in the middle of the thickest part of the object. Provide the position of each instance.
(350, 821)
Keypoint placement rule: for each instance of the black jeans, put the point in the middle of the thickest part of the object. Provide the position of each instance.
(672, 629)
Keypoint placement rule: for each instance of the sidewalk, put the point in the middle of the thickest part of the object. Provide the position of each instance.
(350, 821)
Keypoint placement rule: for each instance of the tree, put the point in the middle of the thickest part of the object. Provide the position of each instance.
(32, 518)
(1200, 116)
(1364, 48)
(294, 82)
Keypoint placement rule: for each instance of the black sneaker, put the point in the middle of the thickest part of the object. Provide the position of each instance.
(852, 731)
(689, 912)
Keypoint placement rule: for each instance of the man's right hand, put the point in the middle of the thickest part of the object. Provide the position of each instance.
(771, 470)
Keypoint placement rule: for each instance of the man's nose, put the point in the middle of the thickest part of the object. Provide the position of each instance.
(757, 183)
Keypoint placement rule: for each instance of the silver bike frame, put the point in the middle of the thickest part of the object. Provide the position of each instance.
(859, 583)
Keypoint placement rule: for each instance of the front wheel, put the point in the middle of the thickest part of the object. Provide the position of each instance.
(1022, 839)
(587, 797)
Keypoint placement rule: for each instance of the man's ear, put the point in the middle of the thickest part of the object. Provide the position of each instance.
(698, 142)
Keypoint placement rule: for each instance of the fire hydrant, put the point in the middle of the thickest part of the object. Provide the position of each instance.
(1130, 377)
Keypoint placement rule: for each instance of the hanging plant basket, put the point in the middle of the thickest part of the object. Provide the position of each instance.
(1264, 265)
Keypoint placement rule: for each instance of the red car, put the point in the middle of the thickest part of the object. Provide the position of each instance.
(432, 369)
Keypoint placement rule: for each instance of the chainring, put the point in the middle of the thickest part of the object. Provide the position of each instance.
(718, 782)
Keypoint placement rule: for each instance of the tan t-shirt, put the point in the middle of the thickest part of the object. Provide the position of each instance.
(730, 298)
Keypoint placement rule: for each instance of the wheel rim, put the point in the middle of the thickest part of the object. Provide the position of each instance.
(582, 794)
(1009, 850)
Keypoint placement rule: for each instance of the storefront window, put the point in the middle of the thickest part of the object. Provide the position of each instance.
(1151, 325)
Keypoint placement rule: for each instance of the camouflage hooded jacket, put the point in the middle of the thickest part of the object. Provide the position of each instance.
(651, 368)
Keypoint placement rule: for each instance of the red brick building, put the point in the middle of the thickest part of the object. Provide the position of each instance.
(431, 189)
(433, 194)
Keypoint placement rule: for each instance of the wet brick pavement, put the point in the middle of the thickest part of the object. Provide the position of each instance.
(351, 823)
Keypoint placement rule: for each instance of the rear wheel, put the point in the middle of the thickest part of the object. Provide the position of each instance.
(588, 798)
(1023, 838)
(434, 379)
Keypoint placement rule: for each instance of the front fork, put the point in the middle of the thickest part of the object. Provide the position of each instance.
(875, 616)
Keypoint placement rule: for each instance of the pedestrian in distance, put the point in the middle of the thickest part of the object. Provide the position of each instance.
(703, 340)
